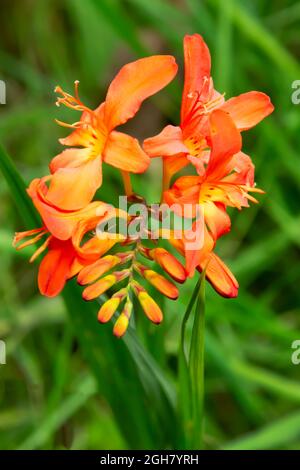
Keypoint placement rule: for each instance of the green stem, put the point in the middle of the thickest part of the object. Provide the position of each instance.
(196, 368)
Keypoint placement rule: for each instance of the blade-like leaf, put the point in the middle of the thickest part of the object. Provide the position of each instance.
(184, 391)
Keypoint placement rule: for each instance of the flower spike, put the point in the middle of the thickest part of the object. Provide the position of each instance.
(73, 239)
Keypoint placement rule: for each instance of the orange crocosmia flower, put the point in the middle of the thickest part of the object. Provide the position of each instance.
(226, 181)
(189, 141)
(63, 260)
(79, 170)
(63, 233)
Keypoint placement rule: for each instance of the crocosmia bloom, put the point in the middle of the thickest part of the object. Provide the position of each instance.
(227, 180)
(78, 170)
(189, 142)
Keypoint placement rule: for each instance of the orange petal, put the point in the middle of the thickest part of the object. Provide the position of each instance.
(55, 267)
(168, 142)
(220, 277)
(59, 223)
(69, 158)
(77, 265)
(162, 284)
(248, 109)
(72, 188)
(150, 307)
(133, 84)
(225, 141)
(169, 263)
(197, 242)
(175, 163)
(96, 246)
(186, 182)
(98, 288)
(82, 136)
(93, 271)
(241, 170)
(196, 72)
(124, 152)
(183, 197)
(108, 309)
(217, 219)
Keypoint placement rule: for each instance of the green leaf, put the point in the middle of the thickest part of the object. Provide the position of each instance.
(85, 388)
(18, 191)
(115, 15)
(191, 372)
(273, 436)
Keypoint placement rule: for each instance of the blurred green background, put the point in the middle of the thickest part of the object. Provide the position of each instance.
(56, 394)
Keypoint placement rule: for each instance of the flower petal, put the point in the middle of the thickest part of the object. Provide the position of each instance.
(125, 153)
(225, 142)
(197, 65)
(133, 84)
(217, 219)
(61, 224)
(55, 267)
(175, 163)
(72, 188)
(220, 276)
(69, 158)
(248, 109)
(197, 243)
(240, 170)
(168, 142)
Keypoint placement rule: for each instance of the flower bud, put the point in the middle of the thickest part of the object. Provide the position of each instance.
(150, 307)
(162, 284)
(169, 264)
(122, 322)
(95, 270)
